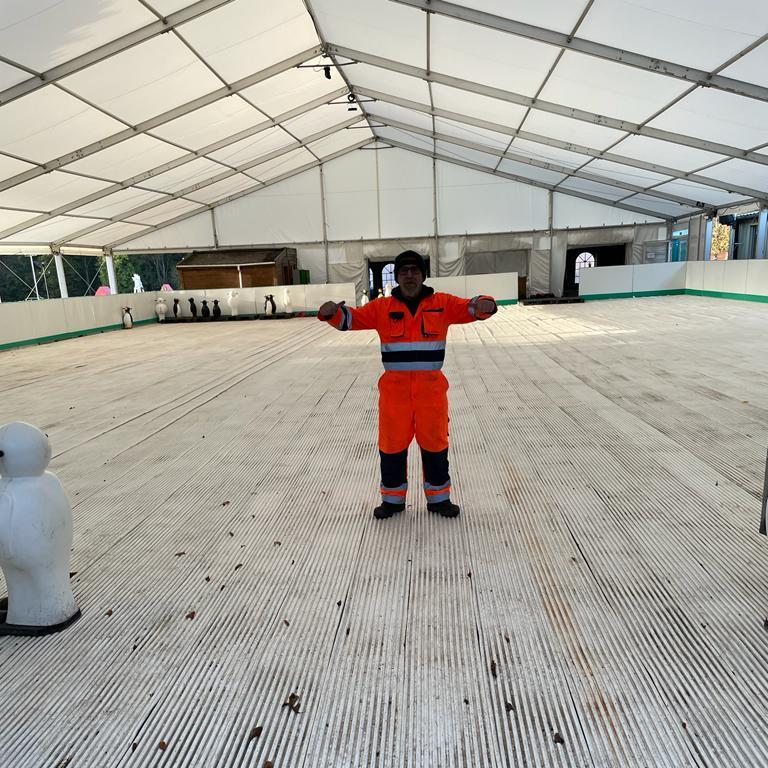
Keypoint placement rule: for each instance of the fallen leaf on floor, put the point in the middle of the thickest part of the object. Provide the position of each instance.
(109, 612)
(180, 554)
(134, 746)
(72, 573)
(276, 543)
(207, 578)
(557, 738)
(224, 503)
(231, 534)
(293, 702)
(268, 764)
(190, 615)
(238, 566)
(493, 668)
(338, 602)
(506, 637)
(162, 746)
(466, 701)
(509, 706)
(469, 574)
(256, 732)
(285, 621)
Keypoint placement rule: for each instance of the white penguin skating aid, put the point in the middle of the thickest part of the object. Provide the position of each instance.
(234, 303)
(161, 309)
(35, 536)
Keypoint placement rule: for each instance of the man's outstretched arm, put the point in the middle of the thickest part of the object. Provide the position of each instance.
(469, 310)
(348, 318)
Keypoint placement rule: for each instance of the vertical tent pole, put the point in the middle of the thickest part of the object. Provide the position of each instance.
(109, 258)
(707, 255)
(325, 223)
(60, 275)
(762, 231)
(34, 276)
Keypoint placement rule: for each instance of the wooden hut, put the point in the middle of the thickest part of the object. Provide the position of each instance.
(237, 268)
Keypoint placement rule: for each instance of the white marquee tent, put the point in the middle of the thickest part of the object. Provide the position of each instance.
(132, 125)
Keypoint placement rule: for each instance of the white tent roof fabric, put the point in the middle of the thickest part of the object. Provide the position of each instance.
(121, 117)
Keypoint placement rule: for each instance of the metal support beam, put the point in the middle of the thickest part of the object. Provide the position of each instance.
(762, 233)
(243, 193)
(63, 290)
(165, 117)
(533, 183)
(109, 258)
(536, 138)
(212, 180)
(110, 49)
(554, 167)
(597, 50)
(548, 106)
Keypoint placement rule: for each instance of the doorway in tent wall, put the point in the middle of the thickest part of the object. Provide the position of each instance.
(586, 257)
(382, 272)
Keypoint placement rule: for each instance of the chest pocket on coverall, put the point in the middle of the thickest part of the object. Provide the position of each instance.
(432, 322)
(396, 324)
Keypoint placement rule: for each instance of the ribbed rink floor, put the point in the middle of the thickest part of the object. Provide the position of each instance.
(600, 602)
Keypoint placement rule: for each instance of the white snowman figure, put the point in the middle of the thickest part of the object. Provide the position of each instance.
(233, 302)
(364, 298)
(161, 309)
(35, 535)
(287, 306)
(388, 289)
(138, 286)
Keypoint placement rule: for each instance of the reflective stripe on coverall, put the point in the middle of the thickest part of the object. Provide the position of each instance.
(413, 392)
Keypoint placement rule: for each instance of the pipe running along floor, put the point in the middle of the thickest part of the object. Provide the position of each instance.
(600, 601)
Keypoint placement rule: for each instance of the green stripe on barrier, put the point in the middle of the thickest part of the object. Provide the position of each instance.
(70, 335)
(725, 295)
(678, 292)
(597, 296)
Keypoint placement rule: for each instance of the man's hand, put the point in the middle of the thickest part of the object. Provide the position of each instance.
(328, 310)
(486, 306)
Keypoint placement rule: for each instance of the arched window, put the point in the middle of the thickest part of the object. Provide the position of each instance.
(584, 261)
(388, 275)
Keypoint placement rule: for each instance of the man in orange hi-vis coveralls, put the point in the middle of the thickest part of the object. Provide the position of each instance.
(412, 324)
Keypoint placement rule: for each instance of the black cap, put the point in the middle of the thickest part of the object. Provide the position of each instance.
(408, 258)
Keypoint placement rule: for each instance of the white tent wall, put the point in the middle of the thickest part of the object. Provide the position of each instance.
(285, 212)
(472, 201)
(376, 203)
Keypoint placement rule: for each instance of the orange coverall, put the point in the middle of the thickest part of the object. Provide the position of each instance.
(413, 392)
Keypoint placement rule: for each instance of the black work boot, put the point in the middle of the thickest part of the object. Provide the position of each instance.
(445, 508)
(387, 509)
